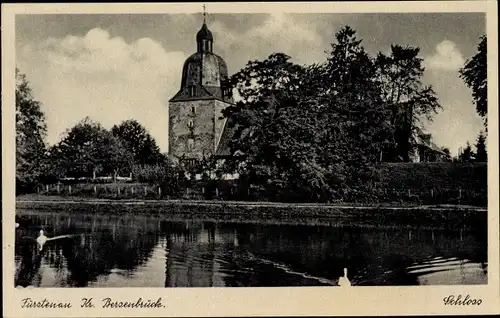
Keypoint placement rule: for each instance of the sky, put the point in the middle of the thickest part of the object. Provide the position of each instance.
(120, 66)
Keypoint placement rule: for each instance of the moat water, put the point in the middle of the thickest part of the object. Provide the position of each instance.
(136, 251)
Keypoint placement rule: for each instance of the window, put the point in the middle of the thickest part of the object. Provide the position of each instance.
(190, 124)
(190, 144)
(191, 90)
(193, 110)
(189, 163)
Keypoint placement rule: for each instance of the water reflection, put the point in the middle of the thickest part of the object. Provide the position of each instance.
(131, 251)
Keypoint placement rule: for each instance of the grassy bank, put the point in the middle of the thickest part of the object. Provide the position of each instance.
(449, 217)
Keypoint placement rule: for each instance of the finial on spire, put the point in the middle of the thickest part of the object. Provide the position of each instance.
(204, 13)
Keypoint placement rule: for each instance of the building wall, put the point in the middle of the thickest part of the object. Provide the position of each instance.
(201, 138)
(200, 134)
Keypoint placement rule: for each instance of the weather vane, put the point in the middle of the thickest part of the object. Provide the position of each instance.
(204, 13)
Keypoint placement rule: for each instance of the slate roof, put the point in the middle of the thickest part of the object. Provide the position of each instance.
(223, 148)
(425, 140)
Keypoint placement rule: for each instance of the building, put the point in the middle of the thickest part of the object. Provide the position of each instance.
(426, 150)
(196, 124)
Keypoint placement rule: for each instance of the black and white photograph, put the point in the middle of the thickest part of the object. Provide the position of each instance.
(251, 149)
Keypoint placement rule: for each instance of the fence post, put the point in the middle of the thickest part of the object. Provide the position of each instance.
(95, 189)
(69, 189)
(118, 190)
(409, 194)
(58, 189)
(38, 189)
(432, 193)
(47, 188)
(159, 191)
(145, 190)
(459, 193)
(217, 192)
(132, 190)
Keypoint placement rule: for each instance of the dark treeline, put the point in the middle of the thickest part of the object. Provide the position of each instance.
(301, 132)
(87, 150)
(318, 132)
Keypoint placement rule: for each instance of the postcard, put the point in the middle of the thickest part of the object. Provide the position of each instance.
(250, 159)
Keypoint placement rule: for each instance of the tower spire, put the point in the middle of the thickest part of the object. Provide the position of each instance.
(204, 37)
(204, 13)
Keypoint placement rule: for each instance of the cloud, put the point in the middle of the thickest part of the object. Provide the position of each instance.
(458, 121)
(447, 57)
(280, 32)
(105, 78)
(110, 80)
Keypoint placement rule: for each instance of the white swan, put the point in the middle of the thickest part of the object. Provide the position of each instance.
(41, 240)
(343, 280)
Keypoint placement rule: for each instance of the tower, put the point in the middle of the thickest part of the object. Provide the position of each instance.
(195, 112)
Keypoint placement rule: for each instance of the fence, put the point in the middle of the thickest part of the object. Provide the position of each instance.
(129, 191)
(103, 190)
(230, 191)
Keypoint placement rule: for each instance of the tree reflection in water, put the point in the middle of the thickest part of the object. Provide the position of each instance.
(27, 264)
(118, 244)
(256, 255)
(205, 254)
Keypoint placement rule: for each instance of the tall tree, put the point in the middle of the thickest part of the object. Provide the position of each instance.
(475, 75)
(355, 120)
(274, 128)
(481, 154)
(138, 141)
(310, 132)
(88, 150)
(400, 76)
(30, 135)
(353, 104)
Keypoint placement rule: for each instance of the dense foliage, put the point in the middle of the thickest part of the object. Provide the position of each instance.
(467, 154)
(170, 177)
(400, 78)
(30, 136)
(314, 133)
(475, 75)
(481, 154)
(86, 151)
(138, 142)
(308, 133)
(89, 150)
